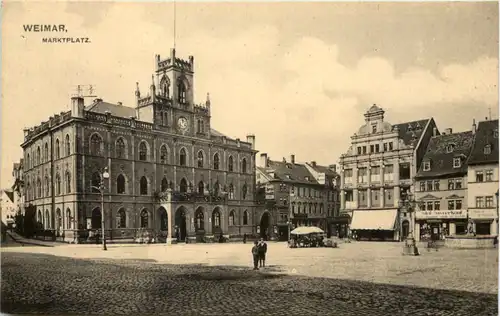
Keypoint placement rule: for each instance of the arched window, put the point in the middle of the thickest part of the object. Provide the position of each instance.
(28, 161)
(201, 188)
(38, 154)
(143, 151)
(58, 150)
(200, 159)
(164, 86)
(231, 218)
(120, 148)
(95, 182)
(245, 217)
(181, 92)
(28, 191)
(68, 146)
(144, 219)
(244, 166)
(230, 164)
(321, 208)
(68, 219)
(182, 157)
(183, 186)
(216, 161)
(216, 218)
(121, 219)
(144, 186)
(120, 184)
(163, 154)
(164, 184)
(59, 222)
(244, 192)
(47, 186)
(231, 191)
(68, 182)
(39, 218)
(200, 219)
(293, 207)
(58, 184)
(216, 188)
(47, 220)
(46, 153)
(38, 188)
(96, 145)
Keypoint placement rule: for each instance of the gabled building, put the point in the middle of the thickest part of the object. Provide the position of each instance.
(7, 207)
(377, 172)
(483, 179)
(295, 194)
(441, 187)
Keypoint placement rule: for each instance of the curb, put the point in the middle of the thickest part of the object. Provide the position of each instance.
(28, 242)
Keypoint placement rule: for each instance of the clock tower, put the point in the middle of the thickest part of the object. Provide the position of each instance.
(170, 103)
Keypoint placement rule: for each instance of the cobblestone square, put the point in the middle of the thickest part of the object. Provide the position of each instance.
(202, 279)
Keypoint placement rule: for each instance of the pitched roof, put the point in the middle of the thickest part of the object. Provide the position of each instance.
(288, 172)
(322, 169)
(216, 133)
(485, 135)
(441, 158)
(10, 195)
(411, 132)
(116, 110)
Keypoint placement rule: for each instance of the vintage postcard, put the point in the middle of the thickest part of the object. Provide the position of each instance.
(249, 158)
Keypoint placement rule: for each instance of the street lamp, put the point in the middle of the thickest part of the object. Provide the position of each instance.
(104, 175)
(410, 247)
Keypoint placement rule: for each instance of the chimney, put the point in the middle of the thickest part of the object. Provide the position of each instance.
(448, 131)
(119, 103)
(292, 159)
(251, 140)
(313, 163)
(284, 160)
(474, 127)
(434, 131)
(333, 167)
(77, 106)
(263, 160)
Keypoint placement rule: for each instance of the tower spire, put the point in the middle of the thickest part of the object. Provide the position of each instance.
(175, 16)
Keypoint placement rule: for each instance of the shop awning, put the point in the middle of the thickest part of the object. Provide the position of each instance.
(374, 220)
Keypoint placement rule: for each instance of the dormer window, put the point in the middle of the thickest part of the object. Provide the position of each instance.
(307, 178)
(427, 166)
(487, 149)
(450, 148)
(288, 176)
(457, 162)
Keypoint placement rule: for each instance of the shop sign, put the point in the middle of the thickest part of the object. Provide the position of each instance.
(269, 192)
(489, 213)
(441, 214)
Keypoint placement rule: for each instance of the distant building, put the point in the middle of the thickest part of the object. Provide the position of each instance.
(483, 179)
(377, 172)
(296, 194)
(441, 187)
(8, 208)
(169, 170)
(18, 186)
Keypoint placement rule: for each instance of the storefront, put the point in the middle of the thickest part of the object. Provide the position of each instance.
(484, 221)
(379, 225)
(435, 225)
(339, 226)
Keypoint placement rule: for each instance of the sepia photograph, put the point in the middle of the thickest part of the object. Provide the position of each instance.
(249, 158)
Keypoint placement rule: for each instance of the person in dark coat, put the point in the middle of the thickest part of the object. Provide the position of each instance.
(255, 255)
(244, 238)
(262, 246)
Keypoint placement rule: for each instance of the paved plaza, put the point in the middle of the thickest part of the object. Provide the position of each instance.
(359, 278)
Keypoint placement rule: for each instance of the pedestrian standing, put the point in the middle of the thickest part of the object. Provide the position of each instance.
(255, 255)
(262, 247)
(245, 238)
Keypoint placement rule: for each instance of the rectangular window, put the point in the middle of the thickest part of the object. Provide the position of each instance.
(388, 198)
(348, 176)
(483, 228)
(437, 205)
(372, 150)
(479, 202)
(451, 184)
(458, 204)
(489, 201)
(436, 185)
(458, 184)
(375, 174)
(362, 175)
(349, 196)
(377, 148)
(479, 176)
(429, 206)
(385, 146)
(429, 185)
(359, 150)
(421, 206)
(374, 128)
(362, 198)
(451, 204)
(427, 166)
(422, 186)
(457, 162)
(364, 150)
(389, 173)
(404, 171)
(390, 146)
(489, 175)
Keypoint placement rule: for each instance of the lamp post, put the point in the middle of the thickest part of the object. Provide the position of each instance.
(410, 247)
(104, 175)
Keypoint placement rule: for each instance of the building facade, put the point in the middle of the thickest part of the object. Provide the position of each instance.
(296, 194)
(166, 143)
(377, 172)
(482, 179)
(441, 187)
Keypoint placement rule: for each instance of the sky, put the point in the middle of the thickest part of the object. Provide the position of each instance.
(299, 76)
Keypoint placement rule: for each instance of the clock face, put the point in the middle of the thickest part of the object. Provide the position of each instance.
(182, 123)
